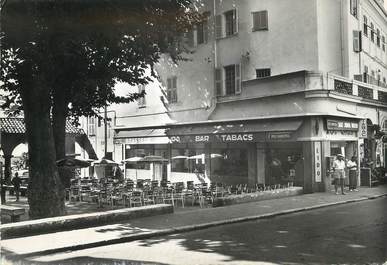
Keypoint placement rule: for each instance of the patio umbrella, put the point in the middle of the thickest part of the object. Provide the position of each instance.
(216, 156)
(153, 159)
(73, 162)
(196, 157)
(180, 157)
(105, 162)
(132, 160)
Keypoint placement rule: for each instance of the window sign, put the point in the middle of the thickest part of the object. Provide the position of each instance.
(363, 129)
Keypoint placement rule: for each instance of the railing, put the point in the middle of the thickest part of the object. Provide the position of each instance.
(357, 88)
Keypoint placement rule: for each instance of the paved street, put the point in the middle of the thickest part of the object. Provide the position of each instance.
(348, 234)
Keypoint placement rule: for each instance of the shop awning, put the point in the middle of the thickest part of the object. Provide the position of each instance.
(140, 133)
(240, 127)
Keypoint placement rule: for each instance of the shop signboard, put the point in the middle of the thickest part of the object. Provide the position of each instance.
(142, 140)
(224, 138)
(341, 125)
(363, 129)
(279, 135)
(317, 161)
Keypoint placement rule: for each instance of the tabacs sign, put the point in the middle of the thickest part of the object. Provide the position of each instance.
(225, 138)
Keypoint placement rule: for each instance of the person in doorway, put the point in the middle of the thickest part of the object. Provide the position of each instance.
(16, 181)
(352, 172)
(339, 173)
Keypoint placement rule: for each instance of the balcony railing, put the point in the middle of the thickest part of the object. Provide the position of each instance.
(342, 85)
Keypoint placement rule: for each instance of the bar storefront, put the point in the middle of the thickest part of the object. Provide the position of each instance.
(295, 150)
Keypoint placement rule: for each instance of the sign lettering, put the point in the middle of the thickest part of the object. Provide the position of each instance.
(317, 161)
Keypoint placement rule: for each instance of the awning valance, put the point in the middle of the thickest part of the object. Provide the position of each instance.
(240, 127)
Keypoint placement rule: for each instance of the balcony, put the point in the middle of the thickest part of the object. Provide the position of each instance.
(367, 92)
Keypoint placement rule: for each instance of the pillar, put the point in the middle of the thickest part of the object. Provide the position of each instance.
(207, 160)
(7, 168)
(261, 157)
(252, 165)
(307, 150)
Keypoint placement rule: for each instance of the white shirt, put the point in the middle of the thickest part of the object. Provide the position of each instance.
(339, 164)
(351, 165)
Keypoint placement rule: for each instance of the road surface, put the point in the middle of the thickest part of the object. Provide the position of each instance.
(354, 233)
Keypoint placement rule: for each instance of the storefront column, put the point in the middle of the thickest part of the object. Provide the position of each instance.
(252, 165)
(307, 150)
(207, 160)
(260, 158)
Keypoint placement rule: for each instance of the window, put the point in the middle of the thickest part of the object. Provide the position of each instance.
(365, 26)
(229, 72)
(260, 20)
(202, 30)
(230, 18)
(365, 74)
(378, 37)
(353, 7)
(172, 89)
(357, 41)
(226, 24)
(91, 126)
(384, 43)
(232, 80)
(372, 32)
(141, 101)
(264, 72)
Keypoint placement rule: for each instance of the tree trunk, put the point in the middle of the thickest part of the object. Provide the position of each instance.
(45, 191)
(59, 116)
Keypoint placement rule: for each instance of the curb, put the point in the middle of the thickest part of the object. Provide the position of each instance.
(188, 228)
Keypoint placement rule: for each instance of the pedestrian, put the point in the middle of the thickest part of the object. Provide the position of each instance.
(339, 173)
(352, 172)
(16, 181)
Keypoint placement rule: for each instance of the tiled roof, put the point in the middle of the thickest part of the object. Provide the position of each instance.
(16, 125)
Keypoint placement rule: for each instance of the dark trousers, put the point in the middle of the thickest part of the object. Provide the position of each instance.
(17, 192)
(352, 179)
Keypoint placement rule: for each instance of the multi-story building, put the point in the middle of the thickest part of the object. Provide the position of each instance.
(273, 89)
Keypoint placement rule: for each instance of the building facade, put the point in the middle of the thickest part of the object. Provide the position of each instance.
(273, 91)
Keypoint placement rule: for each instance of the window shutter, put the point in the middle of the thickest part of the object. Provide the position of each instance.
(218, 26)
(169, 86)
(174, 89)
(238, 88)
(235, 21)
(264, 20)
(218, 82)
(356, 41)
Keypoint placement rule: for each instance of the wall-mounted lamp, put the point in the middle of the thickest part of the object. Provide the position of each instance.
(246, 56)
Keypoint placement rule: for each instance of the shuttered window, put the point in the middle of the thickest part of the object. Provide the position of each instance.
(229, 72)
(260, 20)
(384, 43)
(357, 41)
(378, 37)
(365, 26)
(218, 82)
(141, 101)
(353, 8)
(372, 32)
(91, 126)
(172, 89)
(218, 27)
(230, 21)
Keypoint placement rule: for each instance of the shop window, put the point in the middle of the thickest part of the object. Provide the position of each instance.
(138, 151)
(260, 20)
(229, 166)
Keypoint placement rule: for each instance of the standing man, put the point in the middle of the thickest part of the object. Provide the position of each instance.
(339, 173)
(352, 169)
(16, 181)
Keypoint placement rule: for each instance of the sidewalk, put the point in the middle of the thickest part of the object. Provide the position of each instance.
(184, 219)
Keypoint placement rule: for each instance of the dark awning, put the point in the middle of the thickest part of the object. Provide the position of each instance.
(140, 133)
(239, 127)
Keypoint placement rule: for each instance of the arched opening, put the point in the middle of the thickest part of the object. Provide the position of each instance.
(19, 160)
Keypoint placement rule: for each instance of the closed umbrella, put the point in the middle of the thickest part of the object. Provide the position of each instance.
(73, 162)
